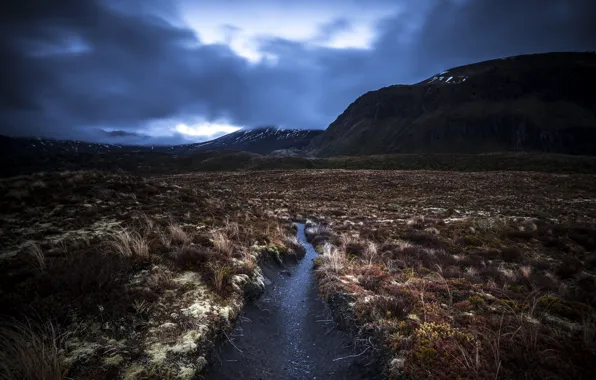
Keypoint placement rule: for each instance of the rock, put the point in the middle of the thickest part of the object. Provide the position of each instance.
(398, 363)
(285, 273)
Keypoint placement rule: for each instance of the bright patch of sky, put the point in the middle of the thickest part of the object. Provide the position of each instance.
(241, 25)
(205, 129)
(193, 130)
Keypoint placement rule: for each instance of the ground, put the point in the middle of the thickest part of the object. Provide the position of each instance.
(454, 275)
(124, 277)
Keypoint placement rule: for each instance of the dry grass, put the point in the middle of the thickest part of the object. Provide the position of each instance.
(178, 234)
(220, 275)
(130, 244)
(333, 259)
(39, 259)
(222, 243)
(479, 248)
(30, 353)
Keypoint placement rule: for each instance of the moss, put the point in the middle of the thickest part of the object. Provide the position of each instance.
(476, 300)
(318, 262)
(430, 332)
(156, 371)
(472, 241)
(404, 328)
(407, 274)
(556, 306)
(133, 372)
(113, 361)
(511, 304)
(426, 354)
(517, 288)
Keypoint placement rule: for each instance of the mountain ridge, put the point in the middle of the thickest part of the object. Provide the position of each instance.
(537, 102)
(260, 140)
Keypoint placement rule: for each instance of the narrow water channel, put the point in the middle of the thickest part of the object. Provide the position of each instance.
(289, 334)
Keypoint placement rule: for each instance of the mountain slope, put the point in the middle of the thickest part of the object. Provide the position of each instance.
(263, 140)
(540, 102)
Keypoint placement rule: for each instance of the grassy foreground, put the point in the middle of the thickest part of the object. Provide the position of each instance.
(446, 274)
(107, 276)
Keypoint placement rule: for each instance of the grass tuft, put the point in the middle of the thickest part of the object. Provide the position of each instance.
(30, 353)
(130, 244)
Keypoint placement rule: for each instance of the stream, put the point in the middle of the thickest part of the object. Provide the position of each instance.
(289, 333)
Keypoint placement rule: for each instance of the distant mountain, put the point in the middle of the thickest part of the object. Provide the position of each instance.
(263, 140)
(259, 140)
(539, 102)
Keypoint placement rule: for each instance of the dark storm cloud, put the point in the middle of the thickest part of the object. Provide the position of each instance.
(75, 67)
(120, 133)
(459, 32)
(134, 69)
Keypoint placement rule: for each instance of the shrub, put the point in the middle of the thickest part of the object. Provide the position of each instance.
(424, 238)
(511, 254)
(191, 257)
(569, 267)
(377, 307)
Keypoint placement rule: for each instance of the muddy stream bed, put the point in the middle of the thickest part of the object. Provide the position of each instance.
(289, 333)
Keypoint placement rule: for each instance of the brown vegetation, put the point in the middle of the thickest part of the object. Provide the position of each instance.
(469, 275)
(131, 270)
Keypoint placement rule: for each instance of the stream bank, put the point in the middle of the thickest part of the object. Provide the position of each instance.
(289, 333)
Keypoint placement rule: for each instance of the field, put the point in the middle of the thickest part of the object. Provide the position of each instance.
(446, 274)
(155, 163)
(105, 276)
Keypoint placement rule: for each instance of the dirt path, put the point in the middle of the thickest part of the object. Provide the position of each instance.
(289, 334)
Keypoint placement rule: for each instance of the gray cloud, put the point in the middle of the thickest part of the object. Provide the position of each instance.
(328, 30)
(130, 66)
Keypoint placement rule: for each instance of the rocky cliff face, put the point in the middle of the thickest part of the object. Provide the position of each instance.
(541, 102)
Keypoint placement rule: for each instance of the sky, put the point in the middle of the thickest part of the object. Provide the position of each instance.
(176, 71)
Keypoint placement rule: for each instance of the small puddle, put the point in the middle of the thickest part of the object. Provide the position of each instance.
(289, 334)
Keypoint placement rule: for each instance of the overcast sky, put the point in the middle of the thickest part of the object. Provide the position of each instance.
(157, 71)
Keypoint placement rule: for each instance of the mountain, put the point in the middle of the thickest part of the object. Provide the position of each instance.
(35, 146)
(259, 140)
(539, 102)
(264, 140)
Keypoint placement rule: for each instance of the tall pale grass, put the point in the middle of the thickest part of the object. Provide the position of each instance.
(222, 243)
(29, 353)
(334, 259)
(130, 244)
